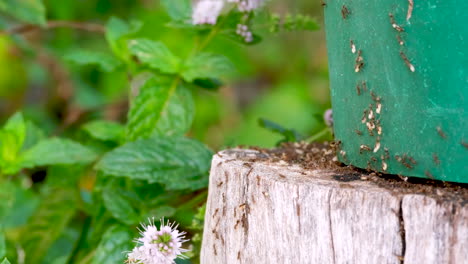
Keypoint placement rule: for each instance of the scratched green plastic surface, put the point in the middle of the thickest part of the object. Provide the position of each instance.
(414, 104)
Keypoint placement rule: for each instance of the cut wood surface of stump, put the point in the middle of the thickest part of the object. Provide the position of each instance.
(264, 209)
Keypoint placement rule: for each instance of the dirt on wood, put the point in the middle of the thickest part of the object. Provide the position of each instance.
(322, 156)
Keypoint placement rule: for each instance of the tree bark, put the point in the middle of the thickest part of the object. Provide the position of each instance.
(271, 212)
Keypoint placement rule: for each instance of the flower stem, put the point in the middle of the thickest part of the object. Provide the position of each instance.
(214, 31)
(319, 134)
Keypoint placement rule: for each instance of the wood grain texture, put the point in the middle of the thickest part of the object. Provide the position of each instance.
(435, 232)
(260, 212)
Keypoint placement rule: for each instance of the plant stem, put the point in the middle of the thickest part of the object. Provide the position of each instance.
(319, 134)
(201, 197)
(88, 257)
(85, 26)
(214, 31)
(81, 240)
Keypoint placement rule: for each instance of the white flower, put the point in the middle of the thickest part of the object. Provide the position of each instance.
(328, 117)
(155, 246)
(247, 5)
(243, 31)
(207, 12)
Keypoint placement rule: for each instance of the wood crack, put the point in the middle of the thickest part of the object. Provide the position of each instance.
(331, 227)
(246, 207)
(402, 232)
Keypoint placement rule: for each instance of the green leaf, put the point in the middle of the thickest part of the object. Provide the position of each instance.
(31, 11)
(5, 261)
(119, 206)
(45, 226)
(290, 135)
(206, 65)
(60, 252)
(33, 135)
(159, 212)
(8, 152)
(173, 161)
(12, 137)
(161, 108)
(2, 244)
(155, 54)
(105, 130)
(114, 243)
(56, 151)
(16, 126)
(105, 61)
(179, 10)
(117, 32)
(59, 176)
(17, 204)
(208, 83)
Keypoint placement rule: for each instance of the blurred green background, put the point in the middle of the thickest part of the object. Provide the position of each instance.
(283, 79)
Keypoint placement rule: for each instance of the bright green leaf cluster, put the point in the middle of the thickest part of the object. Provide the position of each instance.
(12, 136)
(108, 176)
(22, 146)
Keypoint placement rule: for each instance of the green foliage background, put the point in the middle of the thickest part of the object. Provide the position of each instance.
(78, 174)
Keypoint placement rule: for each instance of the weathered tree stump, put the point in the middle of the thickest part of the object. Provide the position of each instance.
(263, 211)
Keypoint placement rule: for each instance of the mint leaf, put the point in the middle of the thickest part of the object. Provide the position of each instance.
(17, 127)
(86, 57)
(119, 206)
(12, 137)
(289, 135)
(159, 212)
(161, 108)
(56, 151)
(30, 11)
(179, 10)
(33, 135)
(5, 261)
(8, 153)
(17, 205)
(45, 226)
(117, 32)
(208, 83)
(114, 243)
(173, 161)
(105, 130)
(155, 54)
(206, 65)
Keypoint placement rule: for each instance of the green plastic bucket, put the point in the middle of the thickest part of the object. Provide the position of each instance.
(399, 82)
